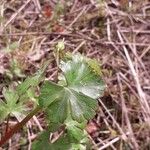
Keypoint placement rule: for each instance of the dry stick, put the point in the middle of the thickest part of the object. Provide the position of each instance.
(143, 101)
(127, 82)
(144, 104)
(134, 51)
(38, 123)
(115, 122)
(124, 135)
(108, 30)
(93, 142)
(74, 35)
(105, 143)
(15, 15)
(136, 31)
(79, 15)
(145, 52)
(38, 5)
(110, 143)
(30, 24)
(29, 136)
(18, 126)
(107, 124)
(2, 9)
(124, 109)
(79, 46)
(75, 2)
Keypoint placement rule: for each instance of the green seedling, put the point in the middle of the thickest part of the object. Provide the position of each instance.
(68, 104)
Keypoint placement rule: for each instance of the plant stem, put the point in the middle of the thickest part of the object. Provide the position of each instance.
(7, 124)
(12, 131)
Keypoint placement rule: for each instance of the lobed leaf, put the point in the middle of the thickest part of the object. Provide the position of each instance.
(62, 101)
(32, 81)
(80, 76)
(75, 94)
(74, 131)
(10, 106)
(15, 100)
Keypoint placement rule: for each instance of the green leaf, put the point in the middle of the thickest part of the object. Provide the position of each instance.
(3, 112)
(75, 133)
(51, 92)
(43, 143)
(32, 81)
(24, 86)
(78, 147)
(10, 96)
(62, 101)
(63, 143)
(15, 100)
(11, 106)
(75, 94)
(79, 76)
(52, 126)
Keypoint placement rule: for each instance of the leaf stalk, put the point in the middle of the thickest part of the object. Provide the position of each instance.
(18, 126)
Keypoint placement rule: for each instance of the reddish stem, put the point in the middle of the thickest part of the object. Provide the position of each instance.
(7, 124)
(18, 126)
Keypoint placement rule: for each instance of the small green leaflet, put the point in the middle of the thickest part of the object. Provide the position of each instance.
(32, 81)
(16, 99)
(77, 96)
(11, 106)
(43, 143)
(75, 132)
(63, 143)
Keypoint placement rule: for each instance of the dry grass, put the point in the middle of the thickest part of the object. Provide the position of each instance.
(116, 33)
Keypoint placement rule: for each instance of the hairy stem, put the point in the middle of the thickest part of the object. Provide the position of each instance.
(18, 126)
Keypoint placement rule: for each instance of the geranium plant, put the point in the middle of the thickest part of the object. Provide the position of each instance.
(67, 104)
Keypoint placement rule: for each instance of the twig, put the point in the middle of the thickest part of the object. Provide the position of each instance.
(111, 142)
(14, 15)
(108, 30)
(38, 6)
(79, 15)
(118, 126)
(78, 47)
(143, 101)
(75, 36)
(29, 136)
(37, 122)
(125, 111)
